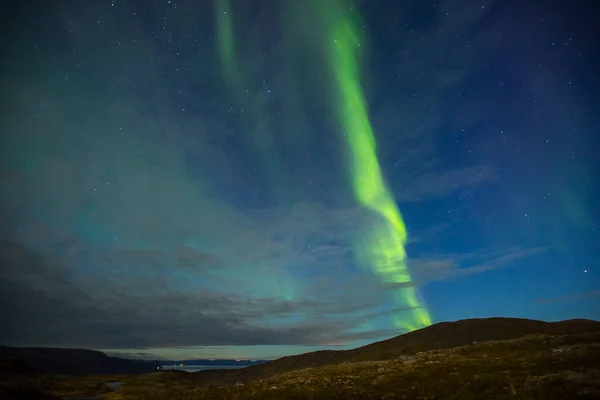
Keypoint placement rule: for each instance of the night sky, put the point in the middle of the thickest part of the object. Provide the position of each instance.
(258, 178)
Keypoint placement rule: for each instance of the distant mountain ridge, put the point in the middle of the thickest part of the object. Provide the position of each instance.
(214, 362)
(62, 361)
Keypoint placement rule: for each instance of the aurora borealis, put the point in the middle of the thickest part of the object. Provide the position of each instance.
(384, 251)
(251, 179)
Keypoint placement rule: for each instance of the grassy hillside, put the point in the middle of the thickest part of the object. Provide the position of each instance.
(560, 362)
(439, 336)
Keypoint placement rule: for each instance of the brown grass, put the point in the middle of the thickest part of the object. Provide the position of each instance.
(532, 367)
(526, 360)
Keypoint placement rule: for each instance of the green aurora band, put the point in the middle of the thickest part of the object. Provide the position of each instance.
(383, 247)
(225, 35)
(244, 87)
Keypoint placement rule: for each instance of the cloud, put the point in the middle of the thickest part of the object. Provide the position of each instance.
(45, 303)
(441, 268)
(190, 258)
(180, 256)
(568, 298)
(431, 114)
(435, 184)
(431, 232)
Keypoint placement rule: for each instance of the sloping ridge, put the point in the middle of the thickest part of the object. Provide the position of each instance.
(443, 335)
(446, 335)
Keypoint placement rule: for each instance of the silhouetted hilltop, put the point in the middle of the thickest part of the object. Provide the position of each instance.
(443, 335)
(68, 362)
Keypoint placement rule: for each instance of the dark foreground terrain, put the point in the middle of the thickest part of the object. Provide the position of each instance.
(72, 361)
(472, 359)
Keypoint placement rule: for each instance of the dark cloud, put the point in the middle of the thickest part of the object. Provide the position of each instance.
(196, 260)
(45, 303)
(180, 256)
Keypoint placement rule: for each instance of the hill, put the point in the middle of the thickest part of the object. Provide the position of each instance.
(50, 360)
(446, 335)
(443, 335)
(495, 358)
(536, 366)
